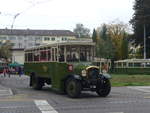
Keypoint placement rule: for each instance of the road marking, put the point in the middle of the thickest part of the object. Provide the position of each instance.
(141, 88)
(44, 106)
(5, 92)
(147, 97)
(116, 112)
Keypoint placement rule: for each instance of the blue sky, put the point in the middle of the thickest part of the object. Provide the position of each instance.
(63, 14)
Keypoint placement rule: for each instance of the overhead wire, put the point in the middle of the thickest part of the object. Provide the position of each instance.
(33, 3)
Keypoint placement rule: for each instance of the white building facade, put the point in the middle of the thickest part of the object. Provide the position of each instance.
(23, 39)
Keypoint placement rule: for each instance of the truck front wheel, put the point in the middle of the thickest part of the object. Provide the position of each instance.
(73, 88)
(104, 89)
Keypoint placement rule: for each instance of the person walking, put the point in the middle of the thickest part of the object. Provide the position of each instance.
(20, 71)
(8, 72)
(4, 72)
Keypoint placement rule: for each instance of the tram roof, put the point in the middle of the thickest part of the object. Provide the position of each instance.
(64, 44)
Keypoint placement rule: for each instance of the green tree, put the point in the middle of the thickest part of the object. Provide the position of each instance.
(105, 48)
(5, 50)
(140, 20)
(119, 36)
(81, 31)
(94, 36)
(124, 48)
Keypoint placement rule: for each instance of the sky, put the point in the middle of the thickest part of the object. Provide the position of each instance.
(62, 14)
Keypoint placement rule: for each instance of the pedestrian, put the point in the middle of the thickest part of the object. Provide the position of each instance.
(20, 71)
(4, 72)
(104, 68)
(9, 71)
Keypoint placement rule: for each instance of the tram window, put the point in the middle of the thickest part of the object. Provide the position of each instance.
(36, 56)
(56, 54)
(137, 64)
(52, 54)
(43, 56)
(130, 64)
(26, 57)
(61, 54)
(30, 57)
(49, 55)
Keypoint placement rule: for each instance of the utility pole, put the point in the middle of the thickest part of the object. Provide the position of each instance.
(15, 16)
(144, 41)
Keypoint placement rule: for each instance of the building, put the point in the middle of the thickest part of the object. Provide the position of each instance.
(22, 39)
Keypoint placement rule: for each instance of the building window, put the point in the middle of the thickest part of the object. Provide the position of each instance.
(3, 38)
(38, 38)
(12, 44)
(12, 38)
(30, 44)
(64, 38)
(20, 45)
(20, 38)
(53, 39)
(37, 44)
(46, 39)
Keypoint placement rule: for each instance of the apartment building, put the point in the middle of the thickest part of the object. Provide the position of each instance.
(27, 38)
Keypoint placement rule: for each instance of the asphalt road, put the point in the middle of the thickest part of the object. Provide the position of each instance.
(26, 100)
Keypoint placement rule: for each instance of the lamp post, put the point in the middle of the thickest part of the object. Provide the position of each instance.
(144, 41)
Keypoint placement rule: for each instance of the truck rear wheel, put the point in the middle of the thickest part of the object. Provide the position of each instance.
(37, 83)
(104, 90)
(73, 88)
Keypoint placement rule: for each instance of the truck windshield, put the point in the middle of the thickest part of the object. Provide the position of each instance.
(80, 53)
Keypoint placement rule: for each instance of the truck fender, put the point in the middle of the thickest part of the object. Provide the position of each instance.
(77, 77)
(106, 75)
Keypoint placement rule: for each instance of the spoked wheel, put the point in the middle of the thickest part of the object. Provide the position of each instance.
(105, 89)
(73, 88)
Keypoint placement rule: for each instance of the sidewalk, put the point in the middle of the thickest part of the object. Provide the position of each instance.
(5, 91)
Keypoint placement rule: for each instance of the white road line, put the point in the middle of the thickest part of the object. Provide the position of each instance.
(116, 112)
(44, 106)
(142, 88)
(10, 91)
(5, 92)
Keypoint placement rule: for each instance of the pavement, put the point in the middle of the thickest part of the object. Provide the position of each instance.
(4, 91)
(27, 100)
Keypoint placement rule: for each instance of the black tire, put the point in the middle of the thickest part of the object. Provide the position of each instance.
(104, 90)
(37, 83)
(73, 88)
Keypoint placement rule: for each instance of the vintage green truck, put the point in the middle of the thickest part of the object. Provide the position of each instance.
(67, 67)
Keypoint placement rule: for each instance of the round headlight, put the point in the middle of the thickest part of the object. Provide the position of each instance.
(84, 73)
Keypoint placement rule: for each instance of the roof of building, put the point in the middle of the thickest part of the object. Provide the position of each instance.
(36, 32)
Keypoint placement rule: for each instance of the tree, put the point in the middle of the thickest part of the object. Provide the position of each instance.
(104, 47)
(140, 20)
(119, 36)
(5, 50)
(94, 36)
(124, 48)
(81, 31)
